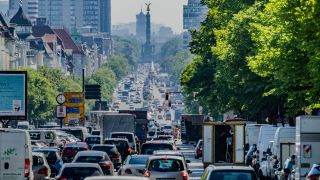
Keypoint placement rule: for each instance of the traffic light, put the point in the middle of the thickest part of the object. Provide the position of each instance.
(167, 96)
(93, 91)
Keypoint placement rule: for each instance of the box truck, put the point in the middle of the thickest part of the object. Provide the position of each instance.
(307, 144)
(223, 143)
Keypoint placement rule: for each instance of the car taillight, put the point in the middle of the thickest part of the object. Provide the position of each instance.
(147, 174)
(185, 175)
(128, 171)
(26, 168)
(107, 165)
(44, 171)
(62, 178)
(118, 156)
(129, 150)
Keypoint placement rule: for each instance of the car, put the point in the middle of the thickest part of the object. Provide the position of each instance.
(127, 135)
(112, 152)
(38, 145)
(150, 146)
(98, 157)
(79, 132)
(79, 171)
(46, 136)
(166, 167)
(134, 165)
(198, 149)
(121, 144)
(168, 138)
(40, 166)
(53, 158)
(92, 140)
(229, 172)
(16, 154)
(173, 153)
(160, 117)
(167, 129)
(71, 149)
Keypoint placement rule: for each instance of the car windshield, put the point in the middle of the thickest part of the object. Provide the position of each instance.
(97, 133)
(166, 165)
(138, 160)
(91, 140)
(34, 135)
(77, 133)
(232, 175)
(167, 127)
(150, 148)
(89, 159)
(51, 156)
(121, 145)
(123, 135)
(164, 138)
(110, 150)
(77, 173)
(151, 133)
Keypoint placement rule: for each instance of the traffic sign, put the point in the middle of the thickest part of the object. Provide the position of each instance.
(74, 107)
(92, 91)
(61, 111)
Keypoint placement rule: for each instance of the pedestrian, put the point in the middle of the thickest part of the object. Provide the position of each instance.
(288, 166)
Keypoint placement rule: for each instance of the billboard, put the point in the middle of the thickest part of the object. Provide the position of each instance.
(13, 94)
(74, 107)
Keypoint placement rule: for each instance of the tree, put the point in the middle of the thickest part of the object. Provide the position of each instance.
(119, 66)
(130, 48)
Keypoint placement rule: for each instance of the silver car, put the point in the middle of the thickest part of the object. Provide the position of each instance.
(134, 165)
(166, 167)
(41, 169)
(229, 172)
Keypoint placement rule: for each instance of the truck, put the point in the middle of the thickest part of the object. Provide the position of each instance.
(141, 123)
(191, 127)
(223, 143)
(116, 122)
(307, 144)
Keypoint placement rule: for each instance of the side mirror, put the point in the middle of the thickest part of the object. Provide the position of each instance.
(188, 161)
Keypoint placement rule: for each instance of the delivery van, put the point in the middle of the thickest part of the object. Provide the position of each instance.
(15, 155)
(266, 135)
(284, 143)
(252, 132)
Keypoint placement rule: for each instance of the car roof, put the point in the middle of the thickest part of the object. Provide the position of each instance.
(81, 165)
(167, 152)
(104, 145)
(76, 144)
(116, 178)
(122, 133)
(45, 150)
(97, 136)
(139, 155)
(157, 142)
(91, 153)
(238, 168)
(117, 139)
(165, 157)
(38, 154)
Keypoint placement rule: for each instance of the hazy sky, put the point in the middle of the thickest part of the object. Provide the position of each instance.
(167, 12)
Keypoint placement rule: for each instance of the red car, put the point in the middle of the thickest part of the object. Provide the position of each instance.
(198, 149)
(71, 149)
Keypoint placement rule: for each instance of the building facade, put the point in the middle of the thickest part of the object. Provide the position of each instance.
(141, 26)
(105, 16)
(193, 14)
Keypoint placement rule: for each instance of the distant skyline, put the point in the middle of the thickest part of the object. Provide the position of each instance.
(166, 12)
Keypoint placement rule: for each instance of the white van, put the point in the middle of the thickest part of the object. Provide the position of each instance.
(284, 143)
(46, 136)
(15, 155)
(265, 136)
(23, 125)
(252, 132)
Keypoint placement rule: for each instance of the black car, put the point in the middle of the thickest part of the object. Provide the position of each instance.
(112, 152)
(121, 144)
(92, 140)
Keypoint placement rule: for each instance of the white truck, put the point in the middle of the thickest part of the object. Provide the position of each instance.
(223, 143)
(116, 122)
(15, 155)
(307, 144)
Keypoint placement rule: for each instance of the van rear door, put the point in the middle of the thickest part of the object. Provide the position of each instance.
(13, 151)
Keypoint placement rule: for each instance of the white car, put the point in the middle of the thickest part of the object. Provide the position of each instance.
(40, 167)
(166, 167)
(134, 165)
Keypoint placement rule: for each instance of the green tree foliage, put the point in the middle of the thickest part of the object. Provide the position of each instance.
(130, 48)
(171, 47)
(119, 65)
